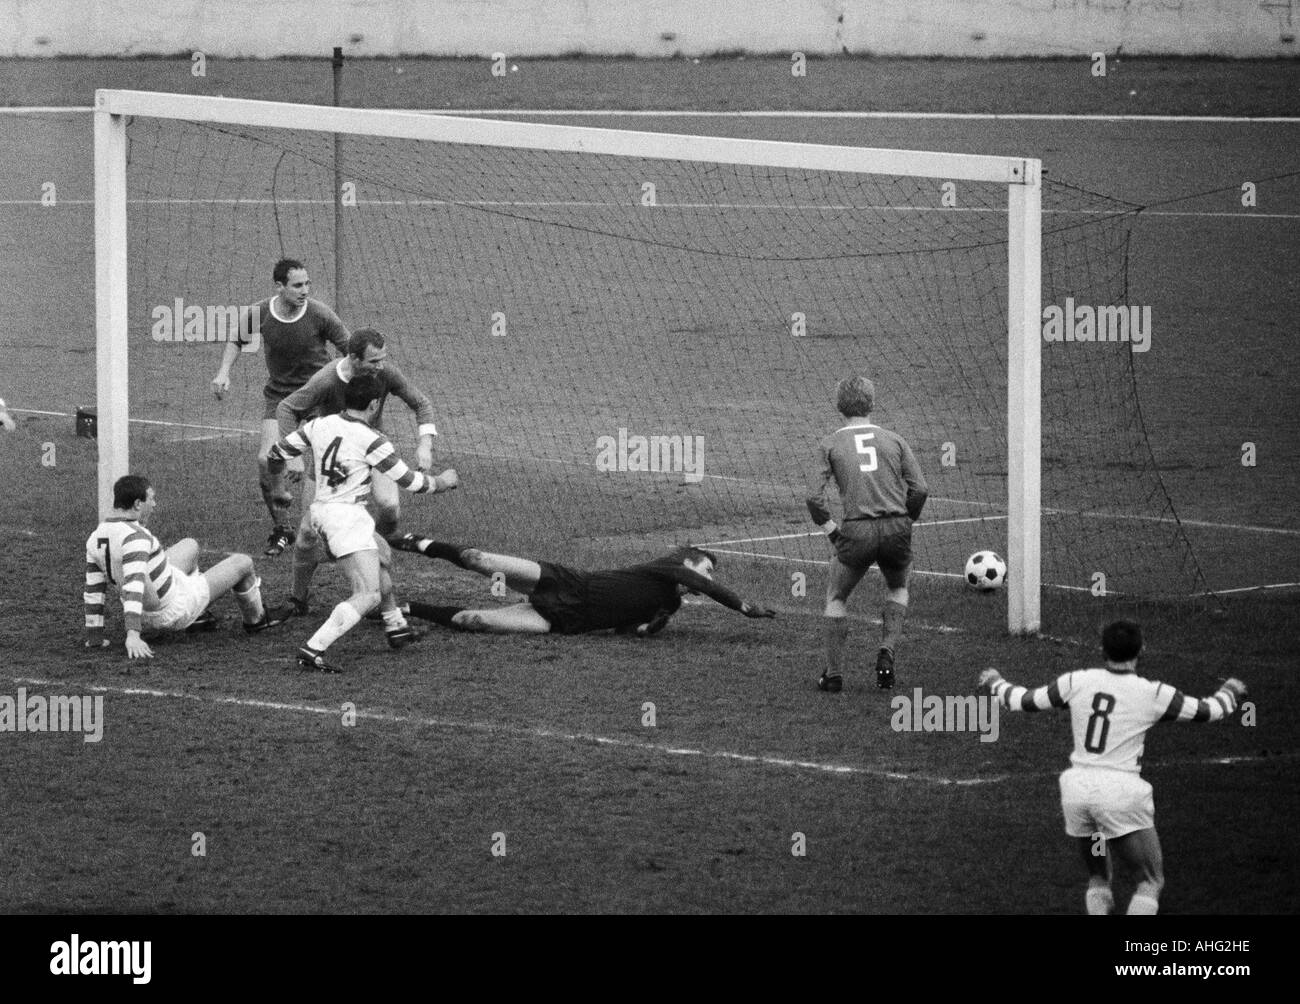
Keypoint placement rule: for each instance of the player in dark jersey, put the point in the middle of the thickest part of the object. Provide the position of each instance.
(295, 331)
(637, 600)
(324, 394)
(882, 491)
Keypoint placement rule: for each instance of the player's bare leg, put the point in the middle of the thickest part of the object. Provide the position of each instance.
(237, 576)
(387, 503)
(397, 631)
(281, 533)
(1099, 900)
(1140, 853)
(362, 570)
(521, 574)
(842, 582)
(519, 618)
(184, 554)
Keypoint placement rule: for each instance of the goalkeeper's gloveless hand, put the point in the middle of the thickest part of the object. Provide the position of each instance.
(989, 677)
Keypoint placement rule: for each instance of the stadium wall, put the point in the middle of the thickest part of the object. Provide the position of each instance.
(521, 28)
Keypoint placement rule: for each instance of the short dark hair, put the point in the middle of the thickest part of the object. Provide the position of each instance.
(360, 391)
(855, 397)
(691, 553)
(361, 339)
(130, 489)
(283, 267)
(1121, 641)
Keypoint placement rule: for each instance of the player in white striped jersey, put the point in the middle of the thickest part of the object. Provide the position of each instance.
(345, 449)
(160, 589)
(1103, 792)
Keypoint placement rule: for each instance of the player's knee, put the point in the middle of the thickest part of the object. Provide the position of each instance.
(307, 539)
(470, 620)
(366, 600)
(386, 518)
(475, 560)
(244, 566)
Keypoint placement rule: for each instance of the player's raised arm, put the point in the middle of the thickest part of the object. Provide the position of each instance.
(1014, 697)
(383, 457)
(1215, 708)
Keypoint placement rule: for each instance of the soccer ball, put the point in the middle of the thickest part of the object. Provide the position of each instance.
(985, 571)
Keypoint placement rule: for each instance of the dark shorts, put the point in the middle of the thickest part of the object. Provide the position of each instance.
(561, 597)
(272, 401)
(886, 542)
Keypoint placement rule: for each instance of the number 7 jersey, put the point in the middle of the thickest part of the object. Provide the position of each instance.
(344, 451)
(1111, 712)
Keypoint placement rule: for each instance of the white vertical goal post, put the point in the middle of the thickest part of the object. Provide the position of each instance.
(1021, 176)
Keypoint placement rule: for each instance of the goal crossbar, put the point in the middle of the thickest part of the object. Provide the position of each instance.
(1022, 176)
(570, 139)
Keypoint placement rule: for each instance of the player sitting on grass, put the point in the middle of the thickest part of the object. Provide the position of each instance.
(160, 589)
(639, 599)
(346, 449)
(1103, 792)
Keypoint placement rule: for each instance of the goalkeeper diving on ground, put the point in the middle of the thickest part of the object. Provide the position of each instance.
(637, 599)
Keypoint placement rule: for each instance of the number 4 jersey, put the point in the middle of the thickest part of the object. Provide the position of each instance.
(344, 450)
(1111, 711)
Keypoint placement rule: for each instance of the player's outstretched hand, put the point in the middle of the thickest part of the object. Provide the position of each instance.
(220, 384)
(751, 610)
(137, 647)
(448, 480)
(989, 677)
(1235, 687)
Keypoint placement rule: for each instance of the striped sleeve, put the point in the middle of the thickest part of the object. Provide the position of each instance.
(1216, 707)
(382, 457)
(96, 589)
(292, 445)
(135, 566)
(1017, 698)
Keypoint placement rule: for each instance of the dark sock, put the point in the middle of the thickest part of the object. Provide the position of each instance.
(447, 552)
(439, 615)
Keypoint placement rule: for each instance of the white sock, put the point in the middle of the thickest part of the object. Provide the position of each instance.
(342, 620)
(1099, 900)
(393, 619)
(1143, 905)
(250, 602)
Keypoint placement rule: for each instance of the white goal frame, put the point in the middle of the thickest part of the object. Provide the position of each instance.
(1022, 176)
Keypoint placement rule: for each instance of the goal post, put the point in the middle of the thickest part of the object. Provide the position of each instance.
(1019, 293)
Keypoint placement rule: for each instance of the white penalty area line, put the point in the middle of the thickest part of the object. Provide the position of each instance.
(527, 733)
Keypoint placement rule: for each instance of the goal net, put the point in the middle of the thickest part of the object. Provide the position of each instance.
(632, 340)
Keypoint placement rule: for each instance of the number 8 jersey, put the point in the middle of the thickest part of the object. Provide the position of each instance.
(1111, 711)
(344, 451)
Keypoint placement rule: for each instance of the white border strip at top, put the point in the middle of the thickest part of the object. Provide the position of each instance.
(571, 139)
(769, 114)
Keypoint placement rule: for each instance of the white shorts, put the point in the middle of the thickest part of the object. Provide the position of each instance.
(343, 527)
(188, 597)
(1110, 802)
